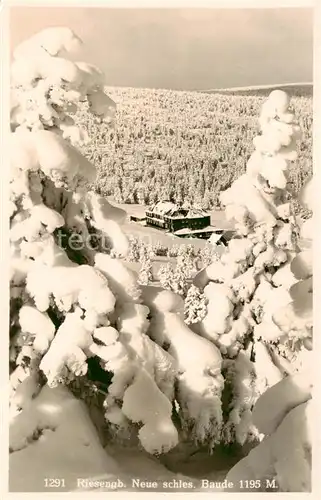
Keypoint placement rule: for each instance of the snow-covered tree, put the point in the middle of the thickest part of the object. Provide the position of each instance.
(198, 382)
(146, 271)
(144, 252)
(160, 249)
(177, 278)
(283, 414)
(208, 254)
(165, 276)
(195, 305)
(70, 304)
(133, 250)
(76, 311)
(180, 276)
(252, 279)
(173, 250)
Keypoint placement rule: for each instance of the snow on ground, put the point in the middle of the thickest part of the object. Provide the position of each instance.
(55, 447)
(153, 235)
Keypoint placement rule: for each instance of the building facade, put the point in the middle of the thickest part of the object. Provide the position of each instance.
(171, 217)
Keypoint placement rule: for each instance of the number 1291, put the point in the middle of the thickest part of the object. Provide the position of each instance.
(54, 483)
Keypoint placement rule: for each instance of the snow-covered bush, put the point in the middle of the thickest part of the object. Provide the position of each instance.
(250, 314)
(160, 250)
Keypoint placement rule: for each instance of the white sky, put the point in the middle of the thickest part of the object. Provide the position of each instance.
(184, 48)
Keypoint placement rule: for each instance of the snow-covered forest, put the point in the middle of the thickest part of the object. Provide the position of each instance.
(183, 145)
(197, 381)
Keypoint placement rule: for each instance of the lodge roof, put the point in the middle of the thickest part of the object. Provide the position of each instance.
(187, 230)
(216, 235)
(174, 210)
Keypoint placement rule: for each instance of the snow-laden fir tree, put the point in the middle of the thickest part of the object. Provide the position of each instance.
(165, 276)
(195, 305)
(251, 280)
(175, 278)
(134, 249)
(181, 276)
(68, 305)
(146, 271)
(208, 254)
(284, 413)
(73, 307)
(178, 278)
